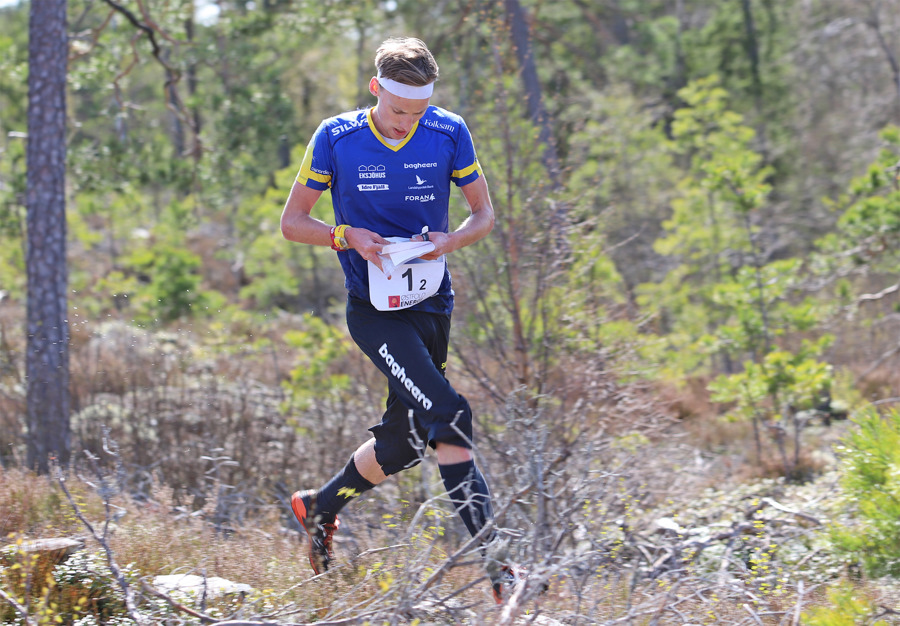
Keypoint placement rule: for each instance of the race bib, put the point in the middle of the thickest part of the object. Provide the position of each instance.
(411, 280)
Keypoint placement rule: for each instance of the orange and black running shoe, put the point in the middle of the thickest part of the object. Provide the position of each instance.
(320, 533)
(504, 581)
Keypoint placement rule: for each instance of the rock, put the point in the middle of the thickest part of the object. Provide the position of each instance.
(667, 523)
(194, 585)
(56, 549)
(43, 554)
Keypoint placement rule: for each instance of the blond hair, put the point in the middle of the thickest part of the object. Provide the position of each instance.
(406, 60)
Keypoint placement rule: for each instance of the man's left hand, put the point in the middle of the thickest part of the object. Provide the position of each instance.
(443, 244)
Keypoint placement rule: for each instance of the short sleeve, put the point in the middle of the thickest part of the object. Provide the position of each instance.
(466, 168)
(317, 168)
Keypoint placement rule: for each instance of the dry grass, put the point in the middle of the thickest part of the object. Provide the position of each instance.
(594, 542)
(34, 506)
(210, 445)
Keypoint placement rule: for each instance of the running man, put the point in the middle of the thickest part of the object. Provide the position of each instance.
(390, 170)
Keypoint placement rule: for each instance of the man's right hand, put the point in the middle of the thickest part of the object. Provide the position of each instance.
(367, 243)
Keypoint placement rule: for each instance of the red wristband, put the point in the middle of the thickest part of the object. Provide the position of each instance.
(338, 241)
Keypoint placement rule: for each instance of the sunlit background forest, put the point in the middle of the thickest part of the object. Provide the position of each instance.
(680, 340)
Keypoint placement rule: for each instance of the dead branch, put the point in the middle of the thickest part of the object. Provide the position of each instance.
(102, 540)
(93, 38)
(173, 75)
(888, 354)
(175, 604)
(780, 507)
(21, 610)
(868, 297)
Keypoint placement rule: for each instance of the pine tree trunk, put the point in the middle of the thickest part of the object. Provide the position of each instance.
(521, 41)
(47, 357)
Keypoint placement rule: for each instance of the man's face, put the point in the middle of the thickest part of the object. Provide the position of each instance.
(395, 116)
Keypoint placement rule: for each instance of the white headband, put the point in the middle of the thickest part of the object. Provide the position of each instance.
(406, 91)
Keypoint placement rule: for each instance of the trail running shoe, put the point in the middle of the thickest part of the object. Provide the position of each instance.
(504, 582)
(303, 504)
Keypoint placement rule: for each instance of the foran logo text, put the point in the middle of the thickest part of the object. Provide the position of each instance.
(425, 198)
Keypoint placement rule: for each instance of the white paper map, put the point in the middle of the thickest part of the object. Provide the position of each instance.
(396, 254)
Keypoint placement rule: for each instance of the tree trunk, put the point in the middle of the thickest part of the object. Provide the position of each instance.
(47, 356)
(521, 40)
(751, 46)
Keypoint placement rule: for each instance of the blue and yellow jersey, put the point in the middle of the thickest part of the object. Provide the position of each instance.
(391, 190)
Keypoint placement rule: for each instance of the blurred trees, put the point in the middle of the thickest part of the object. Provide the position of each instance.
(657, 169)
(693, 194)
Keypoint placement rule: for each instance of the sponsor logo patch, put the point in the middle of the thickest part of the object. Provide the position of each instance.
(420, 184)
(438, 125)
(372, 187)
(416, 166)
(399, 372)
(423, 198)
(337, 130)
(372, 171)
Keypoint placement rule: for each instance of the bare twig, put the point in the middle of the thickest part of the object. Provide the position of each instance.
(21, 610)
(755, 617)
(177, 605)
(887, 355)
(101, 539)
(798, 608)
(780, 507)
(173, 75)
(868, 297)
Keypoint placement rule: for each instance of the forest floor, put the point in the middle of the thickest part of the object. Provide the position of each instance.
(185, 464)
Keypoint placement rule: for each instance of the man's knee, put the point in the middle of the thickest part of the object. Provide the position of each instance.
(451, 454)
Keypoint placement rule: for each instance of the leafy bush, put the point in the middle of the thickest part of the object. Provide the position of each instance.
(847, 607)
(871, 481)
(54, 594)
(172, 287)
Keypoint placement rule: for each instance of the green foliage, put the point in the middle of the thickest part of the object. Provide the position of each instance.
(318, 373)
(726, 302)
(870, 479)
(13, 69)
(847, 606)
(280, 273)
(13, 65)
(167, 286)
(868, 231)
(780, 382)
(80, 589)
(652, 58)
(713, 234)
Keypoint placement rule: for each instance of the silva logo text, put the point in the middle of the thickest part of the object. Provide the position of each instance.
(350, 125)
